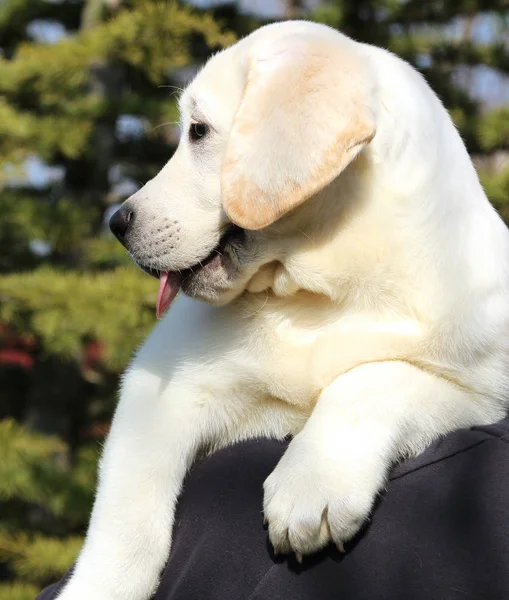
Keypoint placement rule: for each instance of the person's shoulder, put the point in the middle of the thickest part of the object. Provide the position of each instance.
(457, 443)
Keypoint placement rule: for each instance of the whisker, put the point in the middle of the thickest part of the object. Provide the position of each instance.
(260, 309)
(175, 87)
(306, 236)
(164, 124)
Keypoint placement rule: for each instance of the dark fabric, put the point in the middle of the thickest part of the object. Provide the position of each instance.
(440, 532)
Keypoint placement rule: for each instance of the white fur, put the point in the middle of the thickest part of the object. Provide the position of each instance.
(367, 342)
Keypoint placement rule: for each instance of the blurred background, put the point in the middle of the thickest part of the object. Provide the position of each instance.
(87, 115)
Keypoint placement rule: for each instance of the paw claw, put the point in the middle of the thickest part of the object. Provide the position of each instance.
(340, 546)
(298, 556)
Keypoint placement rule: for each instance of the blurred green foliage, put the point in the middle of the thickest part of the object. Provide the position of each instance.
(35, 477)
(64, 307)
(98, 106)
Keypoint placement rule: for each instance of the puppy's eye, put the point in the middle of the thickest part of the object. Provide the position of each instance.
(198, 131)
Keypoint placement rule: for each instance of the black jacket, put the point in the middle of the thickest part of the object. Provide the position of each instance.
(440, 532)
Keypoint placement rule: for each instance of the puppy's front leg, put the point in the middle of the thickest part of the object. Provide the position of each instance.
(325, 485)
(157, 429)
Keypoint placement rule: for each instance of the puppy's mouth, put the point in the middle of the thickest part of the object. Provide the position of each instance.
(170, 282)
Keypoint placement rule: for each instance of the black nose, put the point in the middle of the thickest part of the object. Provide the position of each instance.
(120, 222)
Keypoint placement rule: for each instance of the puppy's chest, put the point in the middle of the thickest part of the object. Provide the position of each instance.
(298, 354)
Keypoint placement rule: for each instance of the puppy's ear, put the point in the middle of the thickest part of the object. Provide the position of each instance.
(304, 116)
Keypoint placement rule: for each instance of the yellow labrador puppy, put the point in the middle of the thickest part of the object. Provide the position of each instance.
(356, 288)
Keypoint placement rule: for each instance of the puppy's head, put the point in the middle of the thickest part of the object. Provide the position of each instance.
(266, 125)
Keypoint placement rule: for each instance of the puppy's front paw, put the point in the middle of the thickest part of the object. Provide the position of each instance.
(310, 501)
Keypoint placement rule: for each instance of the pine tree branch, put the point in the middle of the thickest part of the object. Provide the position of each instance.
(440, 12)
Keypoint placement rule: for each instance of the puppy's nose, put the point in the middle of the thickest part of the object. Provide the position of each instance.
(120, 222)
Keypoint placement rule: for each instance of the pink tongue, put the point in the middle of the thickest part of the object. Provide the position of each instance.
(169, 285)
